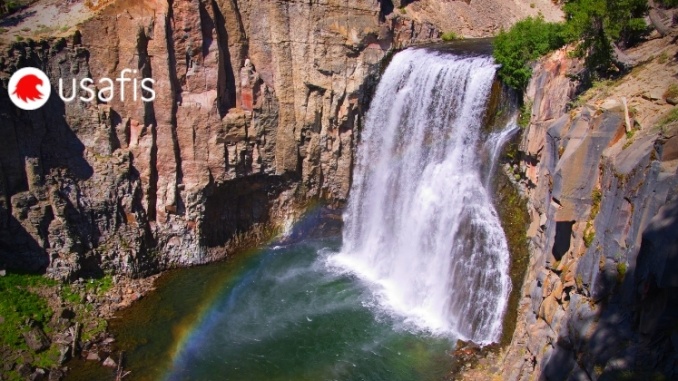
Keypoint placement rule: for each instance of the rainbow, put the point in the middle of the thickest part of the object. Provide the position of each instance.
(191, 327)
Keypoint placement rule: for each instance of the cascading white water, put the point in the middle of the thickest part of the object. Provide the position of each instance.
(420, 224)
(494, 144)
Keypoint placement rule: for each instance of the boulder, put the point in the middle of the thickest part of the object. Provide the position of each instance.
(38, 375)
(110, 363)
(64, 353)
(670, 149)
(93, 356)
(36, 339)
(24, 370)
(548, 309)
(55, 375)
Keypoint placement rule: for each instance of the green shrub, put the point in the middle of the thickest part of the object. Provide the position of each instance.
(663, 58)
(99, 286)
(47, 358)
(672, 91)
(526, 41)
(593, 25)
(449, 36)
(70, 295)
(596, 198)
(671, 117)
(589, 237)
(525, 114)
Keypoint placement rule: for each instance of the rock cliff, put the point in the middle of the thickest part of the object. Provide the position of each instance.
(599, 171)
(257, 105)
(257, 114)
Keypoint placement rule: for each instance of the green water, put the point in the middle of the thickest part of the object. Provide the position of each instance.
(277, 314)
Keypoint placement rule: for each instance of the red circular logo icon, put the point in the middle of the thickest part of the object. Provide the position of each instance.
(29, 88)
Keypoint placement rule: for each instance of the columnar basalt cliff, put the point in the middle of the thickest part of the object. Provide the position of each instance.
(256, 108)
(600, 175)
(256, 114)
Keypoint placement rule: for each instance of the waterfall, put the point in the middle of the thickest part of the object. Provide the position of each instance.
(420, 225)
(494, 144)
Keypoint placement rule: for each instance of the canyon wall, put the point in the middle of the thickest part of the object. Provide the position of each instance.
(257, 116)
(257, 109)
(599, 172)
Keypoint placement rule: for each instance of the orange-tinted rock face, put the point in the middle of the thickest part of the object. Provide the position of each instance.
(255, 112)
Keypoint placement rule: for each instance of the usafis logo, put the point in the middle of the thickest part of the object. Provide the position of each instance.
(29, 88)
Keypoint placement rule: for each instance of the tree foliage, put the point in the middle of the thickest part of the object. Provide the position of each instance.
(526, 41)
(10, 6)
(597, 24)
(594, 25)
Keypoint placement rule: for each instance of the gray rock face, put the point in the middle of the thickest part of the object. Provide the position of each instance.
(600, 293)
